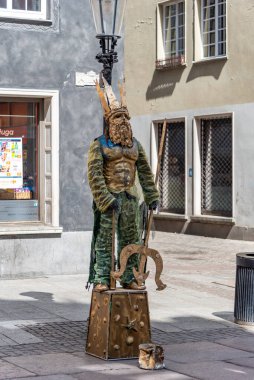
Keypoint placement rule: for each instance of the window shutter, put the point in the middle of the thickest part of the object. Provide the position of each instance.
(46, 164)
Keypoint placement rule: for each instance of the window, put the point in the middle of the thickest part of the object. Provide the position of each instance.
(171, 34)
(172, 172)
(212, 159)
(213, 19)
(19, 123)
(216, 167)
(29, 162)
(24, 9)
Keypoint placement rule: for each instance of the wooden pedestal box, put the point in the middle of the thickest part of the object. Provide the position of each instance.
(119, 321)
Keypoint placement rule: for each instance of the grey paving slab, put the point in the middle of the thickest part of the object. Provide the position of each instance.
(137, 374)
(196, 323)
(11, 371)
(244, 362)
(26, 312)
(168, 327)
(196, 352)
(16, 334)
(5, 341)
(216, 370)
(49, 364)
(245, 344)
(52, 377)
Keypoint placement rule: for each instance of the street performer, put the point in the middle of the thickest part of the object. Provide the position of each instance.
(114, 159)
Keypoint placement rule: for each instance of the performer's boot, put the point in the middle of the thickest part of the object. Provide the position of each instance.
(101, 287)
(133, 286)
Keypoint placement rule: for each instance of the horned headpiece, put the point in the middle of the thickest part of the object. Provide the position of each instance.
(109, 102)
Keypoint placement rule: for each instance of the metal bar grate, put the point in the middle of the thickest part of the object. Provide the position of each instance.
(172, 173)
(216, 166)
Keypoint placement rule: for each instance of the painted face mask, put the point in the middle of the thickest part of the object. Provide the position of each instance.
(116, 115)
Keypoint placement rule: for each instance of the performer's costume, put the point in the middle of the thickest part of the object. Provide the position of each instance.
(114, 158)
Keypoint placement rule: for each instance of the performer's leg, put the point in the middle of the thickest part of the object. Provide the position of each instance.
(128, 233)
(103, 248)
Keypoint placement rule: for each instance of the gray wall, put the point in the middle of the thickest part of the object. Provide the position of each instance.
(42, 56)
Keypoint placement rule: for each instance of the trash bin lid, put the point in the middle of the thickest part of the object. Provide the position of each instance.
(245, 259)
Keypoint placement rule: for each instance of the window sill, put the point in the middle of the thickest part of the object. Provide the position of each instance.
(165, 215)
(211, 59)
(17, 20)
(212, 219)
(10, 229)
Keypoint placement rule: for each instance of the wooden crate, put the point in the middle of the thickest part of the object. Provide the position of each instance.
(119, 321)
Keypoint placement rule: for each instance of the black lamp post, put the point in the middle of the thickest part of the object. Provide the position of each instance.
(108, 19)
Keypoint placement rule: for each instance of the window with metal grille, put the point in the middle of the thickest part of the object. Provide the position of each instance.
(213, 27)
(216, 166)
(172, 172)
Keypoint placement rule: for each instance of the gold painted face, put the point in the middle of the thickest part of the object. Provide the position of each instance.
(120, 129)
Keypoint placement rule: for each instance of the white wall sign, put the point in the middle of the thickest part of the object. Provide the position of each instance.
(86, 79)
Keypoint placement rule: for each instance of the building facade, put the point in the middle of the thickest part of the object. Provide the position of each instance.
(49, 114)
(190, 62)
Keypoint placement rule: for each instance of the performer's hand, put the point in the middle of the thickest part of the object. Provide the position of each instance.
(153, 205)
(115, 206)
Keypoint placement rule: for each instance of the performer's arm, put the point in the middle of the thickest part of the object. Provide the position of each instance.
(102, 197)
(146, 177)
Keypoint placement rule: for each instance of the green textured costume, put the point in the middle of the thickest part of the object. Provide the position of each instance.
(113, 162)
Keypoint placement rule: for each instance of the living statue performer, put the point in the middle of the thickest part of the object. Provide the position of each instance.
(113, 161)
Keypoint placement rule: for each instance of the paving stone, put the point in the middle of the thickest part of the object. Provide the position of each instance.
(53, 377)
(245, 362)
(50, 364)
(216, 370)
(245, 344)
(11, 371)
(167, 327)
(131, 374)
(5, 341)
(16, 334)
(24, 310)
(202, 351)
(197, 323)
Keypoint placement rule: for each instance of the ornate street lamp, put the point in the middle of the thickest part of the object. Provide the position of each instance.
(108, 19)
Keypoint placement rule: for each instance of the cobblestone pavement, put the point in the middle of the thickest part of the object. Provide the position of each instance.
(70, 337)
(43, 321)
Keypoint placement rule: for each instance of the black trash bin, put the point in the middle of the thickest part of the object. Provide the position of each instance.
(244, 289)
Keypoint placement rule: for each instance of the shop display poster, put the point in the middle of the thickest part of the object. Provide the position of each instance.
(11, 163)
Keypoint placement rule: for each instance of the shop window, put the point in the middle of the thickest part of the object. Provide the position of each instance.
(29, 162)
(172, 171)
(210, 29)
(171, 34)
(19, 123)
(24, 9)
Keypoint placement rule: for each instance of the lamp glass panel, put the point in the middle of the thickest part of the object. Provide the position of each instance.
(108, 16)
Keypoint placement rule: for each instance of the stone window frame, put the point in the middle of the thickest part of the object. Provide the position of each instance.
(10, 13)
(197, 168)
(154, 161)
(161, 28)
(198, 53)
(48, 152)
